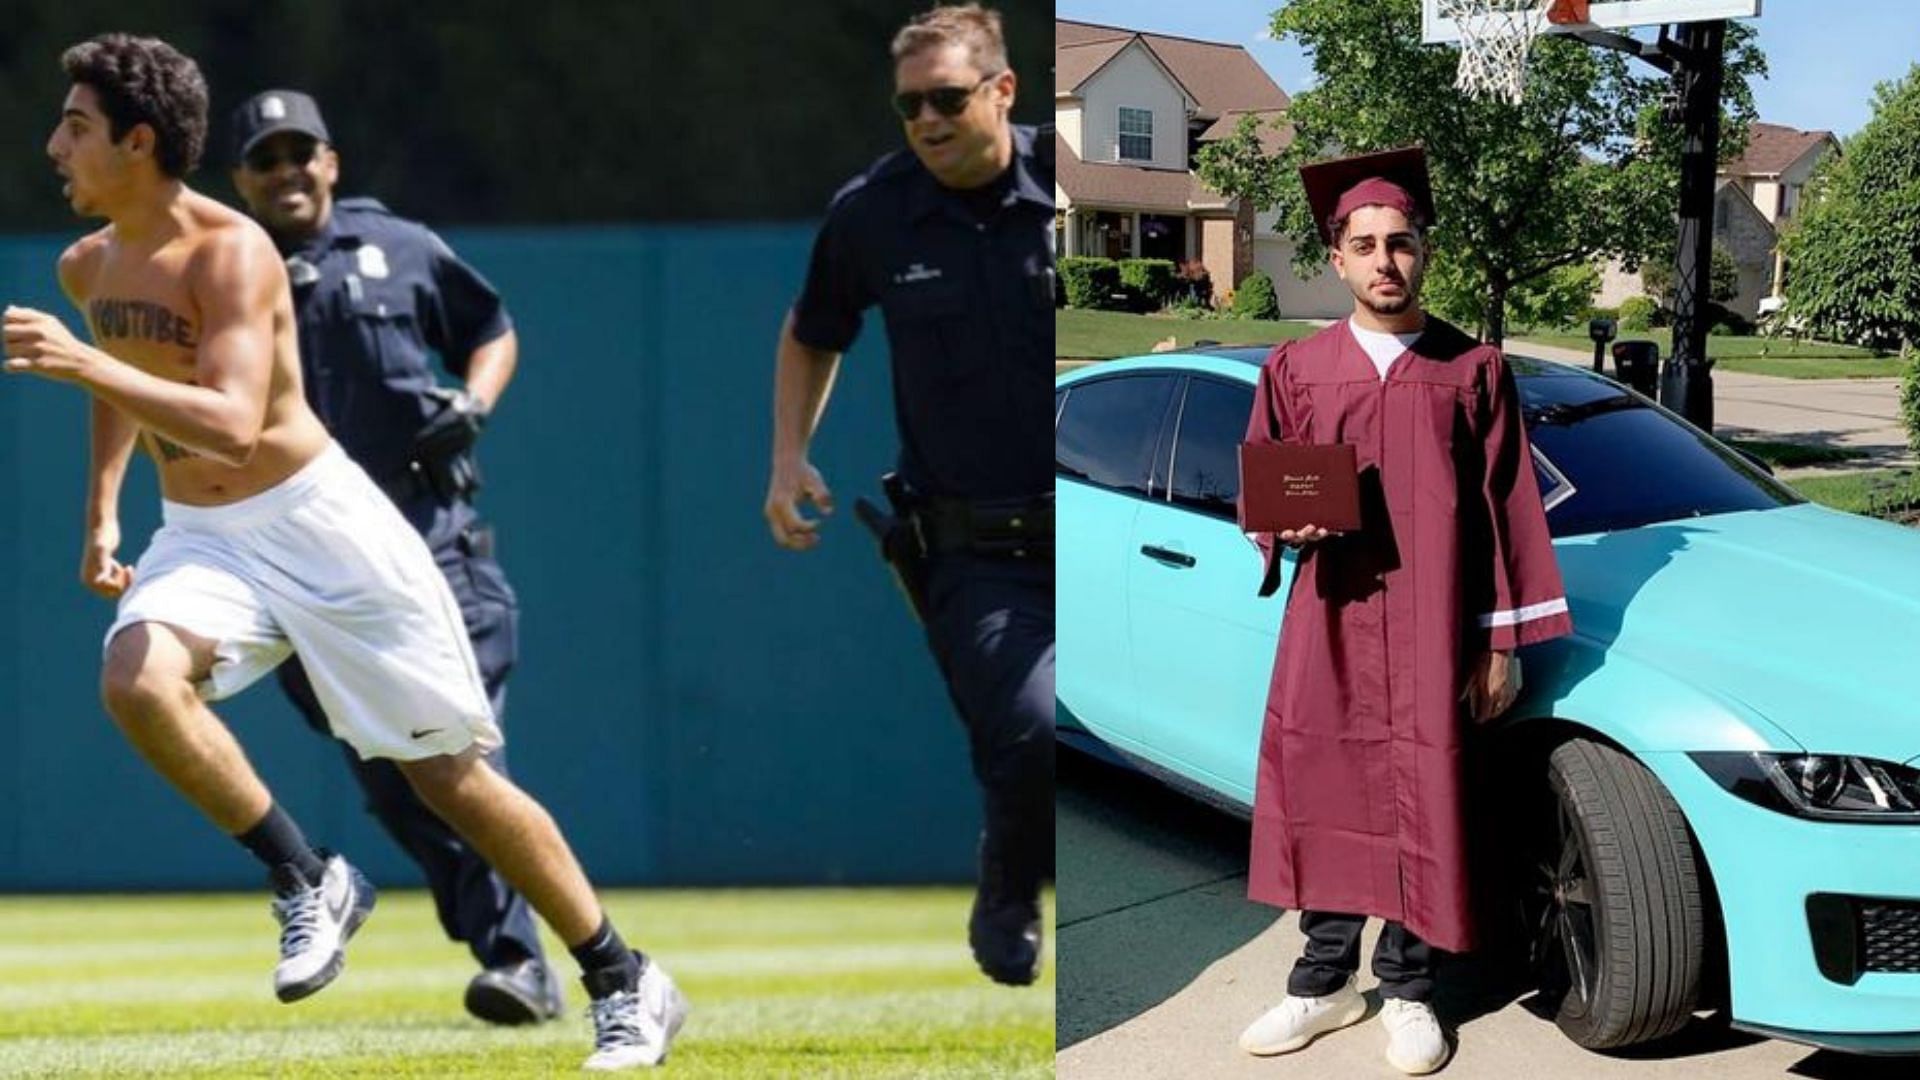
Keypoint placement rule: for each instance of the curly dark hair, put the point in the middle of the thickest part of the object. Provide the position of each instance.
(143, 80)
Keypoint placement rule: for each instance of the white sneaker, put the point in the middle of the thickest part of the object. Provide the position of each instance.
(632, 1029)
(315, 923)
(1297, 1021)
(1415, 1044)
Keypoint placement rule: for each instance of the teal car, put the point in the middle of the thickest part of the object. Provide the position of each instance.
(1719, 770)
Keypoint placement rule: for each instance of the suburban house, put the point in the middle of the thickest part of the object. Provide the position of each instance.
(1131, 111)
(1753, 198)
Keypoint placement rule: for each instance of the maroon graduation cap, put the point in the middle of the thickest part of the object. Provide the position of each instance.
(1396, 178)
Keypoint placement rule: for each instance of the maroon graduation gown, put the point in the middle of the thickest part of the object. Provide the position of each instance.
(1359, 806)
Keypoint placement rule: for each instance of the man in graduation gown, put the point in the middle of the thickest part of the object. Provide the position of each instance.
(1398, 636)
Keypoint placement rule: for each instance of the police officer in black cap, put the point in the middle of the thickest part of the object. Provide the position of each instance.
(374, 296)
(952, 238)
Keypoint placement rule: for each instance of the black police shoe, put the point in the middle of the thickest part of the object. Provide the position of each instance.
(1004, 928)
(522, 993)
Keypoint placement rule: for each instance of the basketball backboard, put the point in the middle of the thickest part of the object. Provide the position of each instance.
(1618, 15)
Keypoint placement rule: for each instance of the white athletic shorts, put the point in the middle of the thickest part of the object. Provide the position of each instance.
(322, 565)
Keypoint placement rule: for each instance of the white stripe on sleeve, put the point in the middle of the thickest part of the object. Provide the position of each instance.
(1526, 614)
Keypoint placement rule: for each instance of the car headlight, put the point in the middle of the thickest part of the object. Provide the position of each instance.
(1826, 787)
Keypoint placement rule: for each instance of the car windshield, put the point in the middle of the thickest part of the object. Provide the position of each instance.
(1622, 462)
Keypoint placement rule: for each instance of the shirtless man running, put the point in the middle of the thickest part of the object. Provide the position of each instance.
(274, 542)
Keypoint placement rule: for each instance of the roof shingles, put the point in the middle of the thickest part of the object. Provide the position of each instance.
(1773, 149)
(1220, 77)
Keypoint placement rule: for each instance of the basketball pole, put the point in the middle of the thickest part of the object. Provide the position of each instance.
(1696, 60)
(1686, 384)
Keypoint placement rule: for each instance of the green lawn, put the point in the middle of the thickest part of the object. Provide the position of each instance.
(817, 982)
(1788, 455)
(1756, 355)
(1862, 492)
(1102, 335)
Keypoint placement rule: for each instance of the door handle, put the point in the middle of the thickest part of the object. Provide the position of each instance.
(1160, 554)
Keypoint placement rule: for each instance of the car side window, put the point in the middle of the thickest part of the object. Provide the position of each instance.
(1206, 446)
(1109, 430)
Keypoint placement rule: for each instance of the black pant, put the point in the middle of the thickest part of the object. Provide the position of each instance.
(1401, 961)
(990, 623)
(476, 906)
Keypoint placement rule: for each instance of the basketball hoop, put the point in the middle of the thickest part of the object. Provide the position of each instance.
(1496, 36)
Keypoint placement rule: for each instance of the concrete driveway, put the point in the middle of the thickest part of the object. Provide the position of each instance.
(1162, 960)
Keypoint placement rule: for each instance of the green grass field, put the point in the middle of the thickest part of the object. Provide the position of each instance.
(1755, 355)
(784, 983)
(1103, 335)
(1863, 491)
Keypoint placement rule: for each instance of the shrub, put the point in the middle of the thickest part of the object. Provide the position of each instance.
(1151, 281)
(1723, 278)
(1910, 398)
(1255, 299)
(1090, 281)
(1196, 283)
(1637, 313)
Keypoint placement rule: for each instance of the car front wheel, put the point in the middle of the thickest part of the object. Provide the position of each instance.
(1616, 915)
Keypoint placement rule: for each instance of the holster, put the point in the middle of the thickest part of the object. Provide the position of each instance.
(452, 478)
(443, 447)
(902, 547)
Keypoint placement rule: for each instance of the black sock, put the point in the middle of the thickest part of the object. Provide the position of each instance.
(606, 963)
(277, 841)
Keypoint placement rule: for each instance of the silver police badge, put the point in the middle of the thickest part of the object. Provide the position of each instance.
(373, 261)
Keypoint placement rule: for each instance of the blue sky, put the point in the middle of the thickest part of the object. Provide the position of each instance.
(1826, 55)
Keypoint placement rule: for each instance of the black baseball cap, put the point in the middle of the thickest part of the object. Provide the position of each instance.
(271, 112)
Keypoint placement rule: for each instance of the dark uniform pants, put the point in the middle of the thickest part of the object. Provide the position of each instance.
(1401, 961)
(990, 624)
(475, 905)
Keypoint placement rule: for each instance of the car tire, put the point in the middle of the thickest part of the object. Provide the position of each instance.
(1620, 844)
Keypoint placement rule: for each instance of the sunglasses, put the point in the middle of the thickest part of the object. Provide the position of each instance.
(948, 101)
(266, 157)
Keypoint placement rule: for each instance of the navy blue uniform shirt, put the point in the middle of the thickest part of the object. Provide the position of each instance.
(375, 296)
(968, 306)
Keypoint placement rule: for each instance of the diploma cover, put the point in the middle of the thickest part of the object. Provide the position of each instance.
(1283, 486)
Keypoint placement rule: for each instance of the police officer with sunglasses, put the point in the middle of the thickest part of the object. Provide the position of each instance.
(375, 297)
(952, 240)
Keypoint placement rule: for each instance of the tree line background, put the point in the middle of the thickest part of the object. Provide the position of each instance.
(505, 112)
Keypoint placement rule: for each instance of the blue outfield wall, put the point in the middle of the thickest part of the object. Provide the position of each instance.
(694, 704)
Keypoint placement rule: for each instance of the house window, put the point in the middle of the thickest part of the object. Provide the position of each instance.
(1136, 134)
(1789, 198)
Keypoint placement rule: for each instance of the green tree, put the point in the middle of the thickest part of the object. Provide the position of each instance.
(1723, 277)
(1584, 169)
(1853, 255)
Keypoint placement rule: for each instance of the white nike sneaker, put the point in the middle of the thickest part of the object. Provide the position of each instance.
(315, 923)
(1297, 1021)
(632, 1029)
(1415, 1044)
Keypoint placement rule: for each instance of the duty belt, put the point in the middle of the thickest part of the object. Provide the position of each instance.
(453, 479)
(993, 528)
